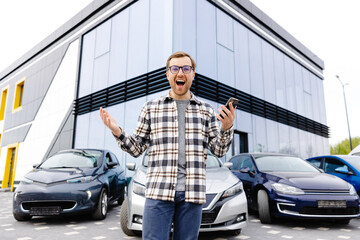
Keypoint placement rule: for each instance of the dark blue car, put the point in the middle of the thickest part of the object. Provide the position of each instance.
(278, 185)
(69, 182)
(346, 167)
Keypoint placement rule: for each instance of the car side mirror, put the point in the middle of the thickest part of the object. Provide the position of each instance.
(245, 170)
(36, 165)
(343, 170)
(111, 164)
(131, 166)
(228, 165)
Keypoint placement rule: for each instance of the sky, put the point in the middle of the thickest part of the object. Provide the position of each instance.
(326, 27)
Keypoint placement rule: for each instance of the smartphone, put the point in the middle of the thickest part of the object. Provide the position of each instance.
(234, 102)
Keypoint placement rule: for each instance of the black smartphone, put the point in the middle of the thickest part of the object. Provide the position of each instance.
(234, 102)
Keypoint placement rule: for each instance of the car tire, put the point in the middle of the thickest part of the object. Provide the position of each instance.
(264, 207)
(124, 218)
(102, 206)
(21, 217)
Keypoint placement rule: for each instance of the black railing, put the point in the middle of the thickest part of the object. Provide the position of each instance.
(202, 86)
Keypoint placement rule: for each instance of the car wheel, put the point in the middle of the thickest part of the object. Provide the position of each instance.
(21, 217)
(263, 207)
(102, 206)
(124, 218)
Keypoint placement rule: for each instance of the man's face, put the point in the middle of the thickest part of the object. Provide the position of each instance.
(180, 82)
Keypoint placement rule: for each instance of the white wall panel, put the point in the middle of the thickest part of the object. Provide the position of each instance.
(184, 36)
(299, 89)
(280, 78)
(256, 69)
(119, 47)
(138, 39)
(242, 68)
(225, 32)
(160, 35)
(206, 60)
(225, 66)
(290, 84)
(268, 72)
(87, 64)
(103, 36)
(272, 136)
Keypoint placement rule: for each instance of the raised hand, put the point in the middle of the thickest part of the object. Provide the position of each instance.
(110, 122)
(227, 120)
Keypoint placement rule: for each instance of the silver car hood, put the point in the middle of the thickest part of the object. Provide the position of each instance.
(217, 179)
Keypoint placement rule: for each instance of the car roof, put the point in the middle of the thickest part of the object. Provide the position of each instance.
(256, 154)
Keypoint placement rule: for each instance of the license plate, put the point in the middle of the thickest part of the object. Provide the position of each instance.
(331, 203)
(45, 211)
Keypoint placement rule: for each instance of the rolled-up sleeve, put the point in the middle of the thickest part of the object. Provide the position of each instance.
(137, 143)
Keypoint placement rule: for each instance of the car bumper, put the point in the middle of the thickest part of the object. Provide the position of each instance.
(306, 206)
(57, 199)
(226, 215)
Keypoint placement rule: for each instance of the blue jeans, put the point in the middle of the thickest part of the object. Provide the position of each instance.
(159, 215)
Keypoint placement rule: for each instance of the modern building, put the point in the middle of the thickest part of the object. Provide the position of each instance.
(113, 53)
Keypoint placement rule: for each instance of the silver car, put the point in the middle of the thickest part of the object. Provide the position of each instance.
(225, 208)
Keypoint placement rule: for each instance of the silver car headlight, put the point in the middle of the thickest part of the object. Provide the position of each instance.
(236, 189)
(352, 190)
(286, 189)
(138, 188)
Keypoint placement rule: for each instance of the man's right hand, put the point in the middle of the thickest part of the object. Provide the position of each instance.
(110, 122)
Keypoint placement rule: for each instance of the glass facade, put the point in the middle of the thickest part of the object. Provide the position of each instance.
(139, 39)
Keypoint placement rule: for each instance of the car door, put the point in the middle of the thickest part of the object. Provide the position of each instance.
(120, 175)
(330, 164)
(111, 176)
(248, 179)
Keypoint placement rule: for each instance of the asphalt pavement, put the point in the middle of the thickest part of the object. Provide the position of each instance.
(83, 227)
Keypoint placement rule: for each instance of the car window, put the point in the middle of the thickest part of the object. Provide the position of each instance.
(246, 162)
(73, 159)
(275, 163)
(331, 164)
(316, 162)
(353, 160)
(114, 158)
(235, 161)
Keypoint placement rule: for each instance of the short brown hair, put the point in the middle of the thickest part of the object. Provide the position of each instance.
(180, 54)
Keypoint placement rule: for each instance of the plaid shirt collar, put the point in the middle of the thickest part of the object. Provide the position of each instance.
(193, 98)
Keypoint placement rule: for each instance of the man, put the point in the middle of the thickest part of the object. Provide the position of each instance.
(178, 129)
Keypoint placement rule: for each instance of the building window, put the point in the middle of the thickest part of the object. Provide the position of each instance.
(19, 92)
(10, 166)
(3, 103)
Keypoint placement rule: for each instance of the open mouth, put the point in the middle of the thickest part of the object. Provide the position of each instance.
(180, 82)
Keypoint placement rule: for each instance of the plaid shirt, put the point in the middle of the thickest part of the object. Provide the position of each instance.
(158, 128)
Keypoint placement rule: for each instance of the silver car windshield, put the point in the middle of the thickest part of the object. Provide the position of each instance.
(275, 163)
(211, 162)
(76, 159)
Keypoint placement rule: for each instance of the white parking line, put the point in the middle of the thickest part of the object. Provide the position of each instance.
(71, 233)
(79, 228)
(273, 232)
(287, 237)
(10, 229)
(323, 229)
(24, 238)
(298, 228)
(345, 230)
(99, 237)
(41, 228)
(114, 228)
(344, 237)
(6, 225)
(242, 237)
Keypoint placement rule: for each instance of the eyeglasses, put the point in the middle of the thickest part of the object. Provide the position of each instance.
(185, 69)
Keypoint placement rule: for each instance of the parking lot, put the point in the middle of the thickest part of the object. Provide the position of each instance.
(84, 228)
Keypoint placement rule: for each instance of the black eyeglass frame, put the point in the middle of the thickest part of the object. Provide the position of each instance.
(182, 69)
